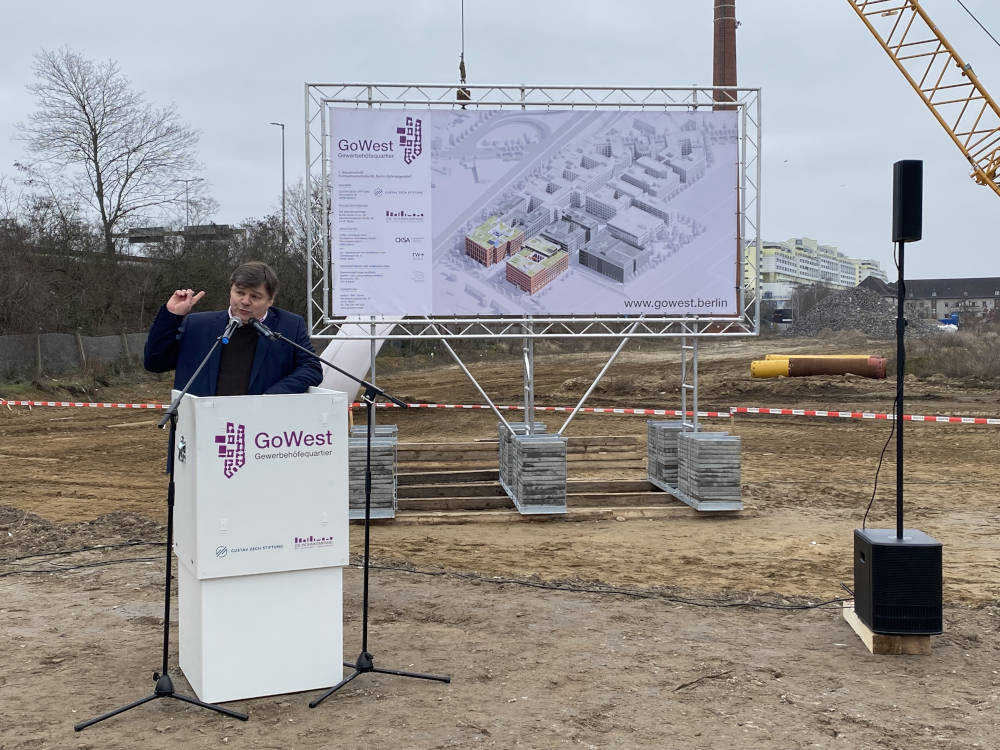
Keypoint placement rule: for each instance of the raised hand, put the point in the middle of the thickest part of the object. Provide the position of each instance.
(182, 300)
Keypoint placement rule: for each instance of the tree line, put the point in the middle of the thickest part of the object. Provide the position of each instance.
(58, 279)
(99, 160)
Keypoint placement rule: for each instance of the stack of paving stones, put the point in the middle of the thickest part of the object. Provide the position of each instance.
(709, 466)
(504, 441)
(383, 497)
(858, 309)
(661, 451)
(539, 473)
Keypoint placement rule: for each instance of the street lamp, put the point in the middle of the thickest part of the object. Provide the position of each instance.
(284, 224)
(187, 201)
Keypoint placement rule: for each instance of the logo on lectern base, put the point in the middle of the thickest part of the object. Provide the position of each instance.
(232, 448)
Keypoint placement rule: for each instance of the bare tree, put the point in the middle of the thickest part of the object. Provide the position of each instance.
(96, 137)
(8, 201)
(304, 207)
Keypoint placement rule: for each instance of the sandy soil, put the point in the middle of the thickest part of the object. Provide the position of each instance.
(683, 631)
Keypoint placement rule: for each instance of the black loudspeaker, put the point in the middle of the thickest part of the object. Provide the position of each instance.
(897, 582)
(907, 200)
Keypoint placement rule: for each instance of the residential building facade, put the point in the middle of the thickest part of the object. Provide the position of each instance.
(802, 261)
(940, 298)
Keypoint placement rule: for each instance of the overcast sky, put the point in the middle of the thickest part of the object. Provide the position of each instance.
(836, 112)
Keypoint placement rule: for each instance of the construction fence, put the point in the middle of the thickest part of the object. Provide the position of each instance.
(53, 354)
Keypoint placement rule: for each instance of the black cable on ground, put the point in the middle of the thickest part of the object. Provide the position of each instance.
(614, 591)
(66, 568)
(130, 543)
(719, 603)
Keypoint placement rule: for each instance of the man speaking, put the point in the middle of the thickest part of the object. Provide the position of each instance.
(248, 364)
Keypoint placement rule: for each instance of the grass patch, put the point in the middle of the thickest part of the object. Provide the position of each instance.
(112, 384)
(965, 354)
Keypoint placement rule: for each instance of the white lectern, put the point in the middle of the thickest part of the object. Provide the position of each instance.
(261, 524)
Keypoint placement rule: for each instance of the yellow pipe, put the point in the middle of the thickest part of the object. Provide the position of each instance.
(771, 368)
(817, 356)
(869, 367)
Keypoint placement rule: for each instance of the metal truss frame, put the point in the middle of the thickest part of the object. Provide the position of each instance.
(324, 323)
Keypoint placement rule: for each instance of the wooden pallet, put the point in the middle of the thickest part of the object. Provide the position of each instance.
(593, 455)
(461, 481)
(886, 643)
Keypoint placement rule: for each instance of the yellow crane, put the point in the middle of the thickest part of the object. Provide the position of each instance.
(945, 82)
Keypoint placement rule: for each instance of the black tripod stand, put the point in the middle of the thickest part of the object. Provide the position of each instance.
(164, 685)
(365, 662)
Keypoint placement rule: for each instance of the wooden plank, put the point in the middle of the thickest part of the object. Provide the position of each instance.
(592, 440)
(453, 489)
(602, 456)
(453, 503)
(441, 456)
(490, 444)
(446, 464)
(886, 643)
(617, 499)
(429, 463)
(512, 516)
(418, 478)
(589, 450)
(482, 445)
(576, 486)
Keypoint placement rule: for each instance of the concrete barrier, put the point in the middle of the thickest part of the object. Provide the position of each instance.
(384, 473)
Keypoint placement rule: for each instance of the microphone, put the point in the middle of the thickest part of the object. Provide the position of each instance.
(234, 323)
(262, 329)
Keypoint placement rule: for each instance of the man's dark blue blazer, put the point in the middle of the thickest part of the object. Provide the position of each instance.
(180, 342)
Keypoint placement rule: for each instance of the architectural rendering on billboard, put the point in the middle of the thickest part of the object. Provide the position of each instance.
(494, 212)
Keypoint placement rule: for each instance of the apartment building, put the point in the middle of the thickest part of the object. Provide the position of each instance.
(802, 261)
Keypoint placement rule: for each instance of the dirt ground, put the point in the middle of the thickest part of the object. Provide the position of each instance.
(676, 632)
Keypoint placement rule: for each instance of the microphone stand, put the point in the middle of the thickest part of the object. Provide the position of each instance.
(365, 661)
(164, 685)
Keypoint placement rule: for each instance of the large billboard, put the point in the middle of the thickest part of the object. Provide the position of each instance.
(538, 212)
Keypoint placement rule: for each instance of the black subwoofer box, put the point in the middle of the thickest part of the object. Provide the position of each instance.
(897, 582)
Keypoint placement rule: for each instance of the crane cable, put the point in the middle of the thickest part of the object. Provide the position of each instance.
(462, 94)
(972, 15)
(992, 168)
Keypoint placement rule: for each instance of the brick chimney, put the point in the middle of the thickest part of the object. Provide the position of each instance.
(724, 51)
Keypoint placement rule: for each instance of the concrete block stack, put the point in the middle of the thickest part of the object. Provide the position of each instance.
(383, 493)
(709, 466)
(504, 439)
(539, 473)
(661, 451)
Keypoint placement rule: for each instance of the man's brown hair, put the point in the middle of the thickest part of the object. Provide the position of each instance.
(255, 273)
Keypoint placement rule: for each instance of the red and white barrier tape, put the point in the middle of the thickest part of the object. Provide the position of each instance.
(90, 404)
(586, 409)
(862, 415)
(595, 410)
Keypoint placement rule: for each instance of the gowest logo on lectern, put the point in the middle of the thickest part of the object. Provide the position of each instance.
(232, 448)
(292, 439)
(270, 445)
(292, 445)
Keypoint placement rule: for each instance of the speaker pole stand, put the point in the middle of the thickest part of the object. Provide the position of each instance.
(900, 371)
(897, 577)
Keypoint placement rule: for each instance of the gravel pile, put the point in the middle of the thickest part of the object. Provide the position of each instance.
(861, 310)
